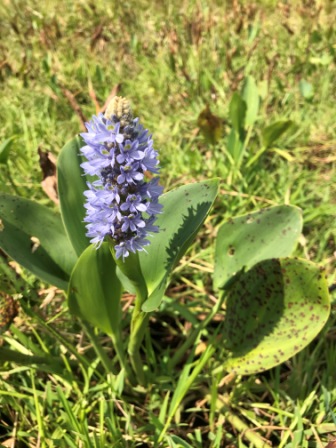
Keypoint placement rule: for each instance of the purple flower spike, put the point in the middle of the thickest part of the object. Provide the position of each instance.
(120, 204)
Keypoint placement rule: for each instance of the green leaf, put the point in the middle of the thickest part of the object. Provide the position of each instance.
(184, 211)
(177, 442)
(306, 89)
(237, 112)
(33, 235)
(126, 282)
(130, 274)
(95, 290)
(245, 240)
(235, 145)
(251, 97)
(253, 31)
(323, 59)
(273, 311)
(43, 363)
(274, 131)
(4, 149)
(71, 185)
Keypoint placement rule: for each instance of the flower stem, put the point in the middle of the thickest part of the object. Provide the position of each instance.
(130, 268)
(107, 363)
(118, 346)
(138, 327)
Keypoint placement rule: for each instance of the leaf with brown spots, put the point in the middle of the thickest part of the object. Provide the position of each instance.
(273, 311)
(245, 240)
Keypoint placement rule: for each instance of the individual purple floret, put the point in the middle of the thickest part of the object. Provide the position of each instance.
(120, 204)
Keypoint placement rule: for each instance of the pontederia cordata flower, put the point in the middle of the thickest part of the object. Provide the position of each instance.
(121, 204)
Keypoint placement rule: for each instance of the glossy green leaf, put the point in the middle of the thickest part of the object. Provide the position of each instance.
(245, 240)
(130, 274)
(251, 97)
(34, 236)
(5, 149)
(273, 311)
(184, 212)
(71, 185)
(126, 282)
(95, 290)
(274, 131)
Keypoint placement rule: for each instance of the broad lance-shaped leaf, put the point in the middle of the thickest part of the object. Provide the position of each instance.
(237, 112)
(95, 290)
(71, 185)
(235, 146)
(34, 236)
(244, 241)
(184, 211)
(250, 95)
(273, 311)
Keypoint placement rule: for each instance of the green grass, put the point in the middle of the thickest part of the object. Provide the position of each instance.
(171, 59)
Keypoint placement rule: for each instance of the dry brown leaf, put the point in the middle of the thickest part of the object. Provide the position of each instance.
(331, 444)
(47, 163)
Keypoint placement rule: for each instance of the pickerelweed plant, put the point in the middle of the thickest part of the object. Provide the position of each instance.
(117, 232)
